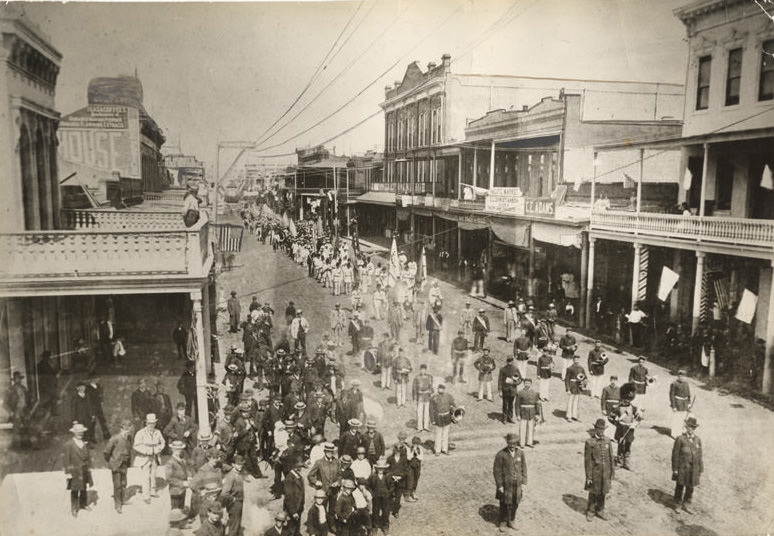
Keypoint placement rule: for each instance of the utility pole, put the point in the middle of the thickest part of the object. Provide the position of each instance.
(225, 145)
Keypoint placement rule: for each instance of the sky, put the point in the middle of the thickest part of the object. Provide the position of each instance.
(221, 72)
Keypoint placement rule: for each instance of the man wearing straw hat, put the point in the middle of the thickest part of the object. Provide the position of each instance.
(148, 444)
(176, 522)
(118, 455)
(177, 474)
(510, 474)
(77, 466)
(687, 465)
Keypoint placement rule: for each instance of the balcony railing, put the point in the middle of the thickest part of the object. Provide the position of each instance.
(419, 188)
(731, 231)
(106, 253)
(115, 220)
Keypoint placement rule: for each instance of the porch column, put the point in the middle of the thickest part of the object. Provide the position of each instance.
(435, 241)
(531, 267)
(698, 291)
(207, 326)
(475, 166)
(766, 383)
(704, 168)
(635, 272)
(584, 265)
(590, 280)
(201, 366)
(639, 182)
(674, 297)
(492, 166)
(459, 175)
(459, 249)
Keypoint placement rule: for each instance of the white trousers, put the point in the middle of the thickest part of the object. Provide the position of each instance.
(572, 407)
(543, 387)
(400, 393)
(485, 386)
(423, 415)
(526, 431)
(442, 438)
(522, 367)
(565, 365)
(677, 423)
(595, 385)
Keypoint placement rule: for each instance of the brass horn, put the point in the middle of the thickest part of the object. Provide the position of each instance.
(582, 381)
(458, 414)
(652, 380)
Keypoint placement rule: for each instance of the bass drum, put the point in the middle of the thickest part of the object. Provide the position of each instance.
(369, 360)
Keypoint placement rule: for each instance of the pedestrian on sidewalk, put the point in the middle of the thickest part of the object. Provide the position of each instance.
(17, 403)
(180, 337)
(148, 445)
(421, 391)
(162, 405)
(77, 467)
(234, 309)
(96, 393)
(599, 468)
(317, 517)
(82, 410)
(485, 365)
(186, 386)
(510, 475)
(459, 351)
(118, 455)
(687, 465)
(178, 475)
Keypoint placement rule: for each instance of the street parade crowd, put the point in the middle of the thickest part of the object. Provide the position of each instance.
(285, 408)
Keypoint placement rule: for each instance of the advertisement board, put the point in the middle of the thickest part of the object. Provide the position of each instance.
(540, 206)
(105, 138)
(505, 201)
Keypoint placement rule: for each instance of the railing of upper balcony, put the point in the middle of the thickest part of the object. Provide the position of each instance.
(141, 249)
(403, 187)
(730, 231)
(109, 220)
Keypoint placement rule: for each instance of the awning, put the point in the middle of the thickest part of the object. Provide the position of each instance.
(471, 226)
(423, 212)
(378, 198)
(511, 232)
(561, 235)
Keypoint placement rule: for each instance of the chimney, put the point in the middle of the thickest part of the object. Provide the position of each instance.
(525, 108)
(446, 61)
(387, 90)
(397, 84)
(432, 65)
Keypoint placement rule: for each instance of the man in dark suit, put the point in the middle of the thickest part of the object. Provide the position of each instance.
(510, 474)
(82, 410)
(294, 496)
(180, 336)
(600, 469)
(118, 455)
(687, 465)
(434, 324)
(233, 312)
(508, 381)
(280, 526)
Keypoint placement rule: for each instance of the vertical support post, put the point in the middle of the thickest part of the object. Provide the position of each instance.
(492, 166)
(698, 291)
(674, 296)
(704, 168)
(475, 167)
(531, 267)
(636, 273)
(216, 191)
(201, 367)
(590, 280)
(207, 326)
(348, 216)
(594, 182)
(459, 175)
(336, 203)
(584, 264)
(766, 381)
(639, 182)
(435, 240)
(459, 248)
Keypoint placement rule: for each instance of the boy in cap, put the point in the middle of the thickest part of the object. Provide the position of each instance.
(382, 487)
(344, 509)
(415, 457)
(317, 517)
(118, 455)
(211, 523)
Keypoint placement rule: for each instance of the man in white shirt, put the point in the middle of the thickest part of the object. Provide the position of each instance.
(361, 467)
(636, 324)
(148, 444)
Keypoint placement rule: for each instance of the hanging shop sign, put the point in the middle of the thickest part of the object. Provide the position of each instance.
(505, 201)
(544, 207)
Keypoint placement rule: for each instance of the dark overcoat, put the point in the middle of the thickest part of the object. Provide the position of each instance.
(510, 473)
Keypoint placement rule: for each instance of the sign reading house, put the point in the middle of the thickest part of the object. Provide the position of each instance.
(545, 207)
(505, 201)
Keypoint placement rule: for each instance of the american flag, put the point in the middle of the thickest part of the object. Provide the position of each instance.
(721, 292)
(229, 237)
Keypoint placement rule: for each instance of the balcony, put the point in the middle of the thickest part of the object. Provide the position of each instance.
(407, 188)
(111, 251)
(719, 234)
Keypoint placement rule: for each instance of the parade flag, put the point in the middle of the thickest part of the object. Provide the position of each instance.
(766, 180)
(229, 237)
(746, 310)
(628, 181)
(292, 228)
(668, 281)
(421, 275)
(687, 179)
(721, 292)
(393, 274)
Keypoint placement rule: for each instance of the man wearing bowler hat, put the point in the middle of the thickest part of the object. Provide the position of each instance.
(510, 474)
(687, 465)
(148, 444)
(233, 312)
(118, 455)
(599, 466)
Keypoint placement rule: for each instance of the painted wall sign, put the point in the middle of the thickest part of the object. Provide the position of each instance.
(540, 206)
(505, 201)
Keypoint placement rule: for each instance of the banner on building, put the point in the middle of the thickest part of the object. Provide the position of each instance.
(229, 237)
(505, 201)
(746, 310)
(544, 207)
(668, 281)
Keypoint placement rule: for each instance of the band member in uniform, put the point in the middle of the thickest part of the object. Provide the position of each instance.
(510, 474)
(687, 465)
(421, 391)
(598, 461)
(568, 344)
(386, 352)
(638, 375)
(441, 408)
(545, 369)
(597, 361)
(419, 317)
(611, 396)
(529, 411)
(574, 385)
(402, 368)
(510, 319)
(507, 382)
(466, 321)
(485, 365)
(338, 324)
(680, 402)
(480, 329)
(521, 348)
(459, 350)
(625, 418)
(434, 325)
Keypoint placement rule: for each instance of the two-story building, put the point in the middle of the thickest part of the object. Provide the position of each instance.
(62, 271)
(725, 249)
